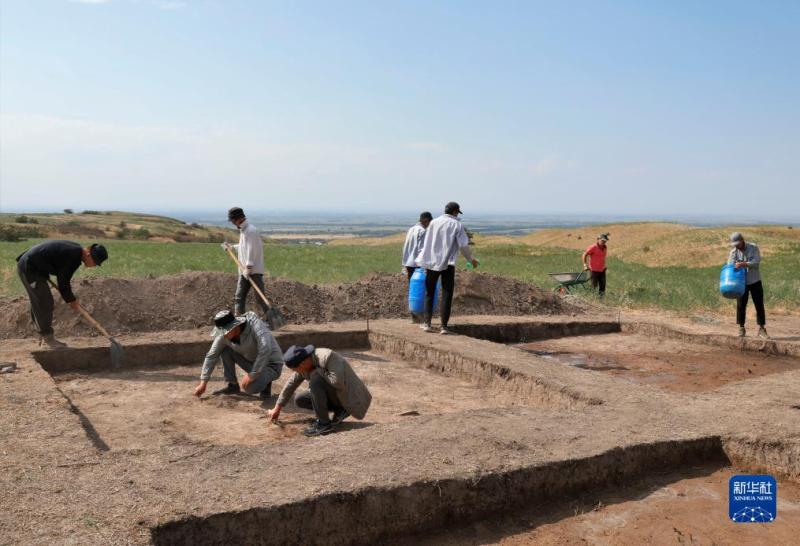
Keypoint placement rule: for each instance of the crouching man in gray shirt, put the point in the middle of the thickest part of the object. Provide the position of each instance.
(333, 387)
(245, 341)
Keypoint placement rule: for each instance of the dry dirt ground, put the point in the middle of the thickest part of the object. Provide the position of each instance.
(131, 458)
(167, 413)
(664, 510)
(667, 363)
(151, 305)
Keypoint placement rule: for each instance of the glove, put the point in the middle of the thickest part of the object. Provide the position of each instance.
(225, 245)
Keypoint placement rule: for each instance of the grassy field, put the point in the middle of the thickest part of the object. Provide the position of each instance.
(630, 284)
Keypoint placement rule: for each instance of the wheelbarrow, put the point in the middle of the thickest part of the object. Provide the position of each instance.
(569, 280)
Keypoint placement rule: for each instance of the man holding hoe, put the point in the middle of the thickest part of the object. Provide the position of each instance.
(59, 258)
(251, 255)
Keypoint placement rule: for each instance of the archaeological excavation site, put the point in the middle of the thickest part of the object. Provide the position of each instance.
(543, 425)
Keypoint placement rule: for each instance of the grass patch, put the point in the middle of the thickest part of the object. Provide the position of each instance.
(629, 284)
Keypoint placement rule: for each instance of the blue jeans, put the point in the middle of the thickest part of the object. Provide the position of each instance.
(229, 360)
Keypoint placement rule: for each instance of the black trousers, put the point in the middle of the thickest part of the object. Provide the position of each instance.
(321, 397)
(448, 277)
(243, 288)
(410, 271)
(42, 303)
(756, 290)
(599, 279)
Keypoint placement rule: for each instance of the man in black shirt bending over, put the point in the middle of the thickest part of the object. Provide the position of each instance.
(59, 258)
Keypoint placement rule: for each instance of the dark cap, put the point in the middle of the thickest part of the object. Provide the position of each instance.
(99, 253)
(295, 355)
(425, 216)
(452, 208)
(235, 213)
(225, 321)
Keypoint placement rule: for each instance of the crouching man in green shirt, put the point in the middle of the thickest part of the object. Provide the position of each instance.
(245, 341)
(333, 387)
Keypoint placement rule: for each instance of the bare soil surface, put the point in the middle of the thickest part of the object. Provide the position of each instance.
(167, 413)
(665, 510)
(667, 363)
(189, 300)
(464, 451)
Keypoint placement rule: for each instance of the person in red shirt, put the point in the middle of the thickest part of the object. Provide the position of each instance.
(594, 259)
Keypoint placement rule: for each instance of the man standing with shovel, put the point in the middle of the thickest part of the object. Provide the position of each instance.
(250, 250)
(59, 258)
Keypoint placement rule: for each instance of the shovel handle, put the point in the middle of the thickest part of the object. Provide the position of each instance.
(243, 270)
(86, 315)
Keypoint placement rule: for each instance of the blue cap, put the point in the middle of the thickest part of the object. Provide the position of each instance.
(294, 355)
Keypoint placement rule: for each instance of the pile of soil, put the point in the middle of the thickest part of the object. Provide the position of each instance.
(189, 300)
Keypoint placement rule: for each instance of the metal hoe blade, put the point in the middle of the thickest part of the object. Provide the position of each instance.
(275, 318)
(117, 353)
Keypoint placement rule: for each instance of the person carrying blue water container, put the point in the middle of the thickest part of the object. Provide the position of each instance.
(413, 245)
(746, 255)
(444, 238)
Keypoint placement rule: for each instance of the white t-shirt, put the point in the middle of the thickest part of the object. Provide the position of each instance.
(444, 237)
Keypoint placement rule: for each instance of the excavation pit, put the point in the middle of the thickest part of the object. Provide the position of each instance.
(167, 413)
(468, 440)
(687, 507)
(669, 364)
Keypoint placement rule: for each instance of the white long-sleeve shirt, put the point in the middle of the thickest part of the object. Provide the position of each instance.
(444, 238)
(414, 239)
(250, 248)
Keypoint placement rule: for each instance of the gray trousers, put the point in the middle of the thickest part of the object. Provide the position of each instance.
(243, 288)
(229, 360)
(41, 298)
(321, 397)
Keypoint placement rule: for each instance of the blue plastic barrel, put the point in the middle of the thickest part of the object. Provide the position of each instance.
(416, 292)
(732, 281)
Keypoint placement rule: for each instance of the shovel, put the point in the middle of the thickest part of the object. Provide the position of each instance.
(117, 353)
(274, 316)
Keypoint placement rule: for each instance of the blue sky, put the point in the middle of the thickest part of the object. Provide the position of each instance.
(522, 107)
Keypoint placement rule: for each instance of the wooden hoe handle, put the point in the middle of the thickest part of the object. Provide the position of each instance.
(86, 314)
(243, 270)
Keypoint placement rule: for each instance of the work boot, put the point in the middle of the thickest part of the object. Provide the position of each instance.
(51, 342)
(232, 388)
(340, 416)
(267, 392)
(742, 331)
(318, 429)
(762, 333)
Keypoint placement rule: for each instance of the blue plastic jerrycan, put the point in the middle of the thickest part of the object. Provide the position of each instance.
(732, 281)
(416, 292)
